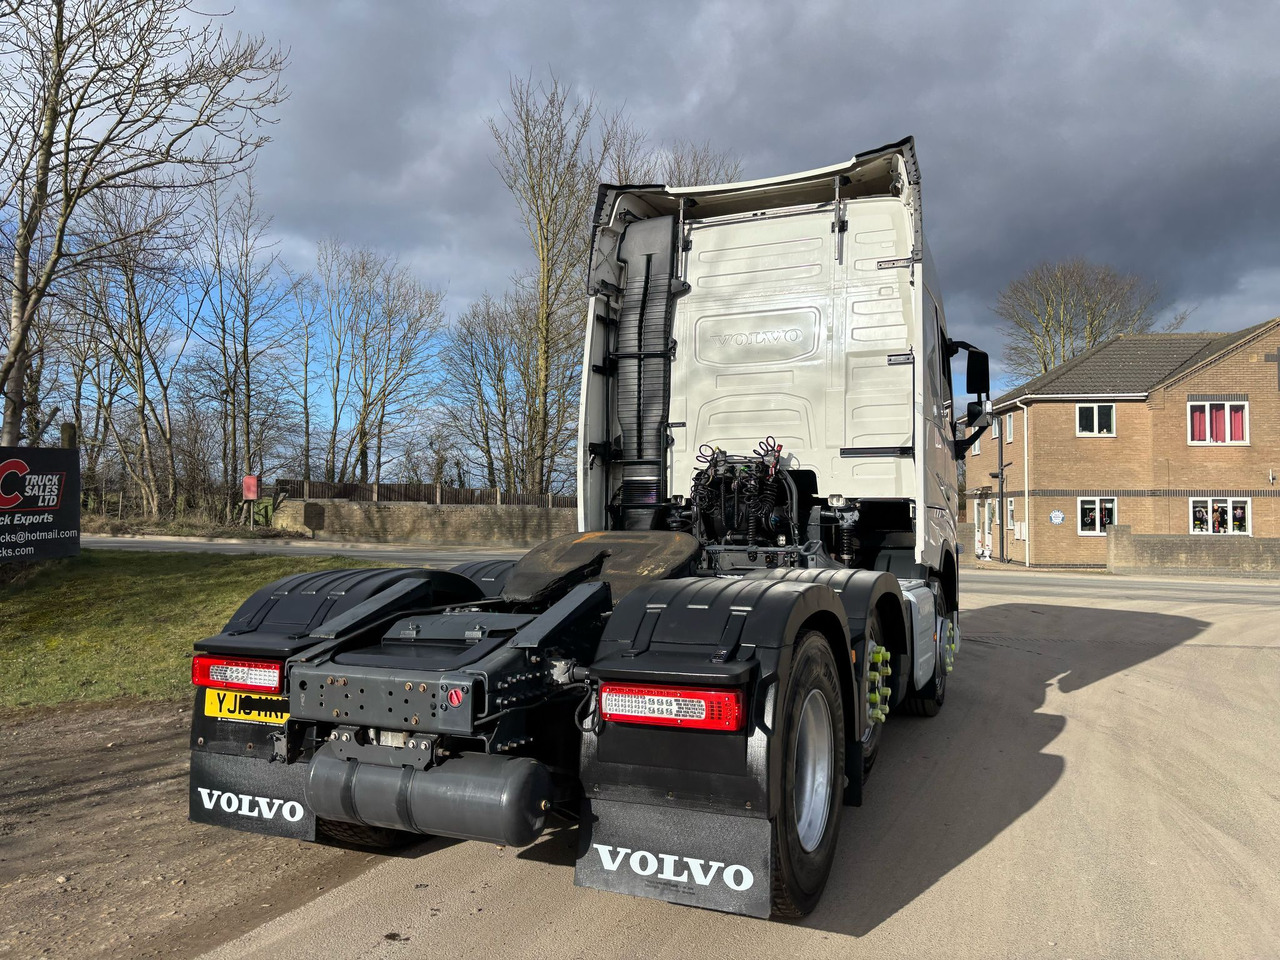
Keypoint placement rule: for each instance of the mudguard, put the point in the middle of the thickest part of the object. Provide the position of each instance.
(691, 802)
(861, 591)
(489, 575)
(278, 620)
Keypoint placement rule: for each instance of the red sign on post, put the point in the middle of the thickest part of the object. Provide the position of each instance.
(251, 486)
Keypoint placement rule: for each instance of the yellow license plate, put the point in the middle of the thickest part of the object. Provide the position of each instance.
(250, 707)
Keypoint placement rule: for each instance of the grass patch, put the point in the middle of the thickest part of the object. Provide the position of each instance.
(120, 623)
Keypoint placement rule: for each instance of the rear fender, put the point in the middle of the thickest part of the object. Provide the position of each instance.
(278, 621)
(860, 592)
(489, 575)
(704, 632)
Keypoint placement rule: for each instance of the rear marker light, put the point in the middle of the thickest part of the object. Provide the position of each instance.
(227, 673)
(693, 708)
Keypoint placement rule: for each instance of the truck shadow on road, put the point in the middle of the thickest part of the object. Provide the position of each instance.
(945, 787)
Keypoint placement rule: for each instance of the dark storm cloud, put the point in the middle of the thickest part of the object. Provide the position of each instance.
(1141, 135)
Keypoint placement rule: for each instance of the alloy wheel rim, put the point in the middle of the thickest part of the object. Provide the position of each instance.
(814, 760)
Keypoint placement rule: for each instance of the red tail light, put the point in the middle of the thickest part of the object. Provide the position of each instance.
(234, 673)
(694, 708)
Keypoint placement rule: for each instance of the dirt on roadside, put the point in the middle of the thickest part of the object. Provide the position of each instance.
(97, 858)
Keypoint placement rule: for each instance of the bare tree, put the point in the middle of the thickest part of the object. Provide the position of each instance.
(547, 159)
(146, 315)
(627, 156)
(302, 350)
(242, 325)
(1055, 311)
(629, 159)
(490, 379)
(377, 327)
(105, 94)
(686, 163)
(391, 358)
(481, 380)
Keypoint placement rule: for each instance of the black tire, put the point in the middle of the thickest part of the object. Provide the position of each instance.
(360, 835)
(800, 869)
(928, 700)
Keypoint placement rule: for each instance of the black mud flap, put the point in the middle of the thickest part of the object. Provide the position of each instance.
(707, 860)
(250, 794)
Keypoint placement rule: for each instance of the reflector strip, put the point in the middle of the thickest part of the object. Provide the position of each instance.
(228, 673)
(693, 708)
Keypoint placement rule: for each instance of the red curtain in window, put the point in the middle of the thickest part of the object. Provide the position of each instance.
(1237, 423)
(1217, 422)
(1197, 424)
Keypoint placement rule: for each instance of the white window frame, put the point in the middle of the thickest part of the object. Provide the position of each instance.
(1208, 431)
(976, 449)
(1012, 512)
(1231, 502)
(995, 427)
(1095, 433)
(1097, 512)
(1008, 428)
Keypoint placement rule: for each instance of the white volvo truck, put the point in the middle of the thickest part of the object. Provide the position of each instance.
(766, 571)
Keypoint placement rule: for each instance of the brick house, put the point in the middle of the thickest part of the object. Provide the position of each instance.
(1170, 433)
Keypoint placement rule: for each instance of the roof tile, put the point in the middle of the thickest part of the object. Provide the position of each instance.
(1132, 363)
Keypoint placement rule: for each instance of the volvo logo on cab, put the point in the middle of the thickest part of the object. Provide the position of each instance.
(680, 869)
(747, 337)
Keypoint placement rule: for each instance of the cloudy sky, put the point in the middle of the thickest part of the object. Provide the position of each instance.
(1141, 134)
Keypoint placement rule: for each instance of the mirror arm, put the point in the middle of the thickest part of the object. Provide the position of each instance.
(963, 444)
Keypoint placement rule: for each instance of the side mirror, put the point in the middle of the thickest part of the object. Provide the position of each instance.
(973, 411)
(977, 374)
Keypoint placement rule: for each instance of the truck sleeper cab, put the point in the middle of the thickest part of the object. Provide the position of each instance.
(765, 572)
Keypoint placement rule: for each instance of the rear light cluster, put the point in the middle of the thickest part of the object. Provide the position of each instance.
(690, 707)
(233, 673)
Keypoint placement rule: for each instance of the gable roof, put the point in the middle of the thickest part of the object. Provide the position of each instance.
(1131, 364)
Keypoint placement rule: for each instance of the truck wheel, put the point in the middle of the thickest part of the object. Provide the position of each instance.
(928, 700)
(361, 835)
(811, 732)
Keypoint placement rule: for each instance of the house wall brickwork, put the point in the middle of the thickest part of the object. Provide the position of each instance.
(1148, 466)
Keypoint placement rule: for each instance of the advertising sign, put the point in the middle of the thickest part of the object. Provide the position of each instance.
(39, 503)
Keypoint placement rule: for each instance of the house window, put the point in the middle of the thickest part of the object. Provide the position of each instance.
(1094, 515)
(1095, 419)
(1217, 423)
(1010, 508)
(1221, 515)
(977, 446)
(995, 428)
(1008, 428)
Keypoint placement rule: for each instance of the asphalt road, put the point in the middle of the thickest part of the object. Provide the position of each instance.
(1104, 781)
